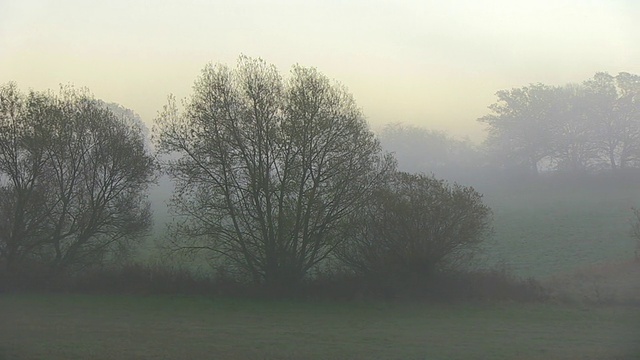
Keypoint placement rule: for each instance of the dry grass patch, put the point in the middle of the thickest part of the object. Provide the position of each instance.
(607, 283)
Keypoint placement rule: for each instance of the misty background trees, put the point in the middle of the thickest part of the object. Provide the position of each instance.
(420, 150)
(592, 126)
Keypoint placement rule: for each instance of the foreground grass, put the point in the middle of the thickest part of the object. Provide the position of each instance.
(130, 327)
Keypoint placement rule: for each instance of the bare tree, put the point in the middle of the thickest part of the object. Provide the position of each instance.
(268, 170)
(75, 179)
(23, 139)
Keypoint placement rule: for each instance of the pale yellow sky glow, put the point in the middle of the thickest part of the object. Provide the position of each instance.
(433, 63)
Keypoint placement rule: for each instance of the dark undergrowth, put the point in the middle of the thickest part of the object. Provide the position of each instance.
(452, 286)
(138, 279)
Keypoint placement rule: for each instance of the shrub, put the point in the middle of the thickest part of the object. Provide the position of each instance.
(415, 226)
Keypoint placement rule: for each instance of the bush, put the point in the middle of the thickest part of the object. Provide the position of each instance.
(415, 226)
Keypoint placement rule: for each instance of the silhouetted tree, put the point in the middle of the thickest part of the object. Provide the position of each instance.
(267, 170)
(416, 225)
(73, 180)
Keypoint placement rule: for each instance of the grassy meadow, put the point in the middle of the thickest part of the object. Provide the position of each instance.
(554, 226)
(129, 327)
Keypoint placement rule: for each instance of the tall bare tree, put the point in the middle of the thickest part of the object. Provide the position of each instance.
(23, 187)
(267, 170)
(74, 179)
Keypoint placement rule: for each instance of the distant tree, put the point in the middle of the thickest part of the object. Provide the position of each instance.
(73, 178)
(416, 225)
(521, 126)
(421, 150)
(576, 127)
(130, 117)
(572, 146)
(267, 170)
(614, 112)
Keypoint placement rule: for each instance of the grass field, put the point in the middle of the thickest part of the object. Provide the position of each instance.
(127, 327)
(553, 226)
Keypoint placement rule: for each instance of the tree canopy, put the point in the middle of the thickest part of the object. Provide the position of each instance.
(73, 179)
(416, 225)
(267, 169)
(576, 127)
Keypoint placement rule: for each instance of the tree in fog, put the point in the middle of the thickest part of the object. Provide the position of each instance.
(421, 150)
(131, 117)
(73, 180)
(416, 225)
(572, 146)
(576, 127)
(268, 170)
(614, 112)
(520, 126)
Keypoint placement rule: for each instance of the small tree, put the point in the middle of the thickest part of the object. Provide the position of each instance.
(267, 171)
(73, 179)
(417, 225)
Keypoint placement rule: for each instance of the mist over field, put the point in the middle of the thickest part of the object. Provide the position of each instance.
(319, 180)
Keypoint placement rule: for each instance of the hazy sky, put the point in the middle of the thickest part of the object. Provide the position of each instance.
(433, 63)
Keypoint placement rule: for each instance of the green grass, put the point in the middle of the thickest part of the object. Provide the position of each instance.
(553, 226)
(127, 327)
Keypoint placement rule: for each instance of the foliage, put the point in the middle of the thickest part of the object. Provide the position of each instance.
(417, 225)
(577, 127)
(72, 177)
(267, 170)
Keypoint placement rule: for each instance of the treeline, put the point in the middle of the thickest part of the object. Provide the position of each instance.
(278, 181)
(591, 127)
